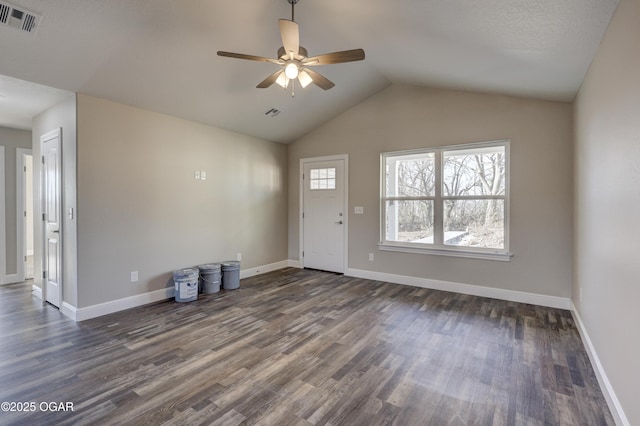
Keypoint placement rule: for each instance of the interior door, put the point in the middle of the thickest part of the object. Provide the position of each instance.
(324, 215)
(52, 176)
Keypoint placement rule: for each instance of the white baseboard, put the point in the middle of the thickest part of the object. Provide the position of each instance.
(94, 311)
(612, 400)
(474, 290)
(36, 291)
(11, 279)
(246, 273)
(69, 311)
(294, 264)
(117, 305)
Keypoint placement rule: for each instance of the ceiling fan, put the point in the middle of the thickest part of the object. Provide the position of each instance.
(294, 59)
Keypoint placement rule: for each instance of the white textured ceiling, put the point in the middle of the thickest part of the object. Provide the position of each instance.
(161, 54)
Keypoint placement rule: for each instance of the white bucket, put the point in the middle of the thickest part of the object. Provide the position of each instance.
(186, 284)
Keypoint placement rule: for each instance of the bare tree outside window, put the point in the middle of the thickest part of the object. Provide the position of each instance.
(473, 192)
(453, 196)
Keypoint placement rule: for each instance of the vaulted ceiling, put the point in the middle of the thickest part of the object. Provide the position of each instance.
(161, 54)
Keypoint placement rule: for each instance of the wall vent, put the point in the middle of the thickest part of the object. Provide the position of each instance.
(272, 112)
(19, 18)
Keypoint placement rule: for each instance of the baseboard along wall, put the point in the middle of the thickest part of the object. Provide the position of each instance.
(474, 290)
(609, 394)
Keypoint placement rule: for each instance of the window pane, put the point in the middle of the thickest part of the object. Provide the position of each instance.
(323, 179)
(411, 175)
(410, 221)
(474, 223)
(478, 171)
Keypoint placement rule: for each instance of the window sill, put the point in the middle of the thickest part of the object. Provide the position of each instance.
(469, 254)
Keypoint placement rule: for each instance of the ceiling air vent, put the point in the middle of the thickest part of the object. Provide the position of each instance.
(19, 18)
(272, 112)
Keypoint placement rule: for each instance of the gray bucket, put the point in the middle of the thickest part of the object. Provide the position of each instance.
(231, 275)
(186, 284)
(210, 277)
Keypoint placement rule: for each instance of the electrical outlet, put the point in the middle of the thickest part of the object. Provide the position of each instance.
(134, 276)
(196, 175)
(370, 257)
(239, 257)
(203, 175)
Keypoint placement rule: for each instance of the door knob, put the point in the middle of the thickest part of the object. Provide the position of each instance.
(339, 222)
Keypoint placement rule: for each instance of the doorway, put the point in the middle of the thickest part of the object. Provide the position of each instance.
(324, 216)
(3, 244)
(24, 213)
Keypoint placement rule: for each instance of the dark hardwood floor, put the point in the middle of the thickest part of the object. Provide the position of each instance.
(300, 347)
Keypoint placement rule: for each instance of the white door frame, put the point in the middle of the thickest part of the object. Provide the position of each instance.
(43, 224)
(21, 208)
(303, 162)
(3, 241)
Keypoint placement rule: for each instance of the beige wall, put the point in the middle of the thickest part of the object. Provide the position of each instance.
(607, 244)
(11, 139)
(61, 116)
(404, 117)
(140, 207)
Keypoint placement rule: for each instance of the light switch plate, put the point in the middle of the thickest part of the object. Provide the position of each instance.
(358, 210)
(203, 175)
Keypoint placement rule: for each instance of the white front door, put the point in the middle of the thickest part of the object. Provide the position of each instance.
(324, 215)
(52, 176)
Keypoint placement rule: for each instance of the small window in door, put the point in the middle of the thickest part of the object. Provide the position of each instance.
(322, 179)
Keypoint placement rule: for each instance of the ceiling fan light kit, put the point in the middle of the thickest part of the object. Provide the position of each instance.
(294, 60)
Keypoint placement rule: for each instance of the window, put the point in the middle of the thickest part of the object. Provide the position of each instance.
(322, 179)
(451, 200)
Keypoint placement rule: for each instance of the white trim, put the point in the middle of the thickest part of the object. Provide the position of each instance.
(609, 394)
(474, 290)
(69, 311)
(246, 273)
(12, 279)
(36, 291)
(117, 305)
(303, 161)
(291, 263)
(469, 254)
(21, 207)
(3, 241)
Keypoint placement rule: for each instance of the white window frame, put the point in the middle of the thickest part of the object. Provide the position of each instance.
(438, 247)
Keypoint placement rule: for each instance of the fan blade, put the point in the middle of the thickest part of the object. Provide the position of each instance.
(320, 80)
(269, 80)
(290, 34)
(336, 57)
(248, 57)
